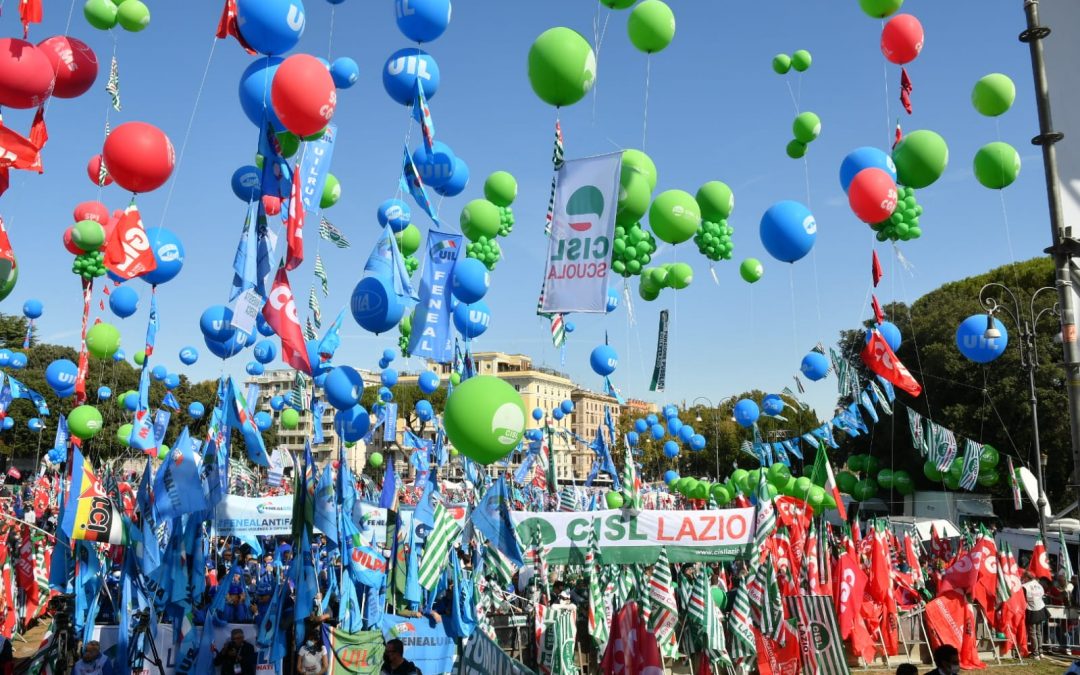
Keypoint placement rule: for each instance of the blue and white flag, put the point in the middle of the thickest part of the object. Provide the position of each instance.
(314, 167)
(432, 338)
(492, 518)
(246, 260)
(161, 425)
(386, 261)
(178, 487)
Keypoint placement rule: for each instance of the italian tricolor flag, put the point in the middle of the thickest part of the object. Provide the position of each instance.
(822, 469)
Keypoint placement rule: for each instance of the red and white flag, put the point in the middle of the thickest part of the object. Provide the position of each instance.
(127, 251)
(280, 313)
(879, 357)
(1039, 567)
(294, 225)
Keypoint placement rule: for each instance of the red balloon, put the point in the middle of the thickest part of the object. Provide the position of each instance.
(271, 204)
(93, 170)
(73, 62)
(902, 39)
(69, 243)
(303, 94)
(26, 76)
(139, 156)
(95, 211)
(872, 195)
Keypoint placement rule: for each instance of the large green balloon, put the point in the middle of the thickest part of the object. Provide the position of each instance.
(289, 142)
(88, 235)
(885, 478)
(716, 201)
(993, 94)
(562, 66)
(952, 483)
(614, 499)
(902, 482)
(484, 418)
(802, 487)
(779, 473)
(680, 275)
(781, 64)
(639, 162)
(801, 60)
(920, 158)
(879, 9)
(816, 496)
(845, 481)
(139, 357)
(806, 127)
(719, 597)
(931, 471)
(857, 463)
(84, 422)
(989, 478)
(331, 192)
(720, 494)
(871, 465)
(651, 26)
(634, 193)
(751, 270)
(865, 489)
(674, 216)
(500, 188)
(102, 340)
(988, 458)
(700, 491)
(997, 165)
(788, 488)
(9, 276)
(956, 469)
(480, 218)
(290, 418)
(133, 15)
(408, 239)
(123, 433)
(679, 484)
(101, 14)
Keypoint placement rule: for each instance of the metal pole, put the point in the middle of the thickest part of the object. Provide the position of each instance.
(1040, 503)
(1065, 247)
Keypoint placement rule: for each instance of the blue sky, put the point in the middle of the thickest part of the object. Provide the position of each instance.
(716, 111)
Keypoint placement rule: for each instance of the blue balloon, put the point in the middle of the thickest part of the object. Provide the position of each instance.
(119, 355)
(383, 363)
(567, 406)
(402, 70)
(246, 183)
(172, 381)
(891, 333)
(271, 26)
(470, 280)
(641, 426)
(428, 381)
(345, 72)
(216, 323)
(189, 355)
(558, 414)
(569, 326)
(263, 420)
(674, 426)
(632, 438)
(424, 410)
(254, 368)
(865, 158)
(32, 309)
(229, 348)
(343, 387)
(8, 423)
(537, 414)
(972, 342)
(352, 424)
(385, 394)
(195, 410)
(265, 351)
(5, 357)
(670, 477)
(169, 254)
(18, 361)
(604, 360)
(375, 306)
(459, 179)
(788, 230)
(612, 300)
(435, 167)
(277, 402)
(104, 393)
(652, 419)
(395, 213)
(746, 412)
(264, 328)
(671, 449)
(815, 366)
(159, 372)
(472, 320)
(534, 434)
(389, 377)
(55, 455)
(657, 431)
(131, 401)
(697, 442)
(422, 20)
(670, 411)
(772, 404)
(255, 92)
(35, 424)
(61, 375)
(123, 301)
(389, 355)
(686, 432)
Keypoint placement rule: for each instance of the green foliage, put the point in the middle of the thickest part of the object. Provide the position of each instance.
(406, 396)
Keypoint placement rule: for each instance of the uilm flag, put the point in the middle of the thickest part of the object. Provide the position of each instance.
(879, 357)
(280, 314)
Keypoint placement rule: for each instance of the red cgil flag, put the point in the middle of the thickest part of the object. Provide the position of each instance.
(899, 136)
(875, 269)
(280, 314)
(905, 90)
(295, 225)
(228, 26)
(1039, 567)
(127, 251)
(879, 357)
(879, 316)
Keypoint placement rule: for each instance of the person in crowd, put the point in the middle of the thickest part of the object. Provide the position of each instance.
(93, 662)
(394, 662)
(7, 657)
(311, 658)
(236, 657)
(1036, 615)
(237, 609)
(579, 594)
(946, 660)
(524, 578)
(907, 669)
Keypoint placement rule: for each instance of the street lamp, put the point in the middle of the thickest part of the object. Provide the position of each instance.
(716, 430)
(1029, 360)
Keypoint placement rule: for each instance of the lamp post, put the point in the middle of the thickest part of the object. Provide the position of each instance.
(716, 428)
(1029, 360)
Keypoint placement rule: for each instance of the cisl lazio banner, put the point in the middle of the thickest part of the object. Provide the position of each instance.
(625, 537)
(582, 229)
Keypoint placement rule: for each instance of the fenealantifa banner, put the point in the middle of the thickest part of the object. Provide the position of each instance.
(660, 367)
(579, 247)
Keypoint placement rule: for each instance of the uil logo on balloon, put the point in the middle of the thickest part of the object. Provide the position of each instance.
(410, 65)
(810, 225)
(507, 422)
(169, 252)
(295, 18)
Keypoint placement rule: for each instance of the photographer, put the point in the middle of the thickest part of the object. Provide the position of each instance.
(237, 656)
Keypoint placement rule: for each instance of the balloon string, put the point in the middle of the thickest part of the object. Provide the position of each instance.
(888, 108)
(813, 252)
(598, 40)
(794, 318)
(330, 40)
(791, 93)
(645, 120)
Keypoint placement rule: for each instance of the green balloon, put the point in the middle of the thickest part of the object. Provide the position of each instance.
(989, 478)
(952, 483)
(657, 277)
(879, 9)
(163, 451)
(845, 481)
(931, 471)
(865, 489)
(719, 597)
(788, 488)
(997, 165)
(634, 196)
(871, 464)
(806, 127)
(816, 496)
(139, 357)
(562, 66)
(751, 270)
(920, 158)
(688, 486)
(720, 494)
(480, 218)
(885, 478)
(88, 235)
(316, 136)
(331, 192)
(993, 94)
(802, 487)
(375, 460)
(699, 491)
(455, 379)
(9, 276)
(500, 188)
(781, 64)
(738, 479)
(102, 340)
(408, 239)
(84, 422)
(614, 499)
(956, 469)
(674, 215)
(651, 26)
(716, 201)
(857, 463)
(902, 482)
(801, 60)
(637, 161)
(290, 418)
(680, 275)
(988, 458)
(648, 293)
(795, 149)
(779, 473)
(618, 4)
(677, 486)
(133, 15)
(289, 142)
(123, 433)
(484, 418)
(101, 14)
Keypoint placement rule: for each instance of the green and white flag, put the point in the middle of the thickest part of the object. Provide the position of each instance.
(743, 644)
(1064, 563)
(443, 533)
(631, 484)
(764, 516)
(331, 234)
(316, 309)
(559, 638)
(918, 432)
(970, 477)
(665, 613)
(320, 274)
(113, 85)
(819, 635)
(498, 568)
(765, 601)
(599, 624)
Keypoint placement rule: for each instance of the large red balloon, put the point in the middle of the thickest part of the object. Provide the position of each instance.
(872, 195)
(139, 156)
(69, 243)
(902, 39)
(73, 62)
(93, 171)
(26, 76)
(303, 94)
(95, 211)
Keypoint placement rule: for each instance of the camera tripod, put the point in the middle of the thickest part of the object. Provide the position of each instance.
(141, 632)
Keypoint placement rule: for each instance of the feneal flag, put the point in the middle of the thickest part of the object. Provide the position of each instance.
(583, 224)
(824, 472)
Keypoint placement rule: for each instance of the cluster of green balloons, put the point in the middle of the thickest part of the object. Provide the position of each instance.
(800, 61)
(951, 477)
(778, 481)
(676, 276)
(89, 265)
(632, 249)
(997, 165)
(898, 480)
(132, 15)
(486, 250)
(412, 263)
(806, 128)
(405, 330)
(501, 189)
(751, 270)
(920, 158)
(903, 225)
(715, 201)
(714, 240)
